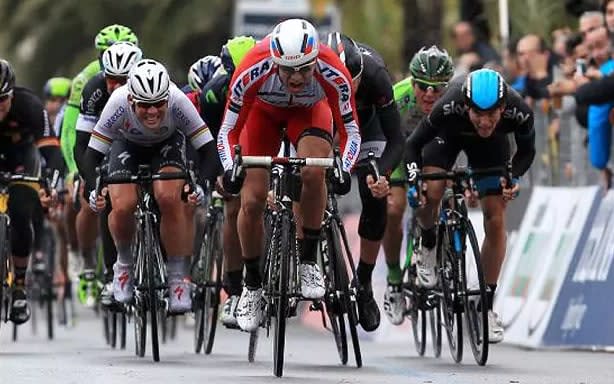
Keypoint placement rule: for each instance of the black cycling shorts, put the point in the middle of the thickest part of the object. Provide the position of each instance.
(125, 156)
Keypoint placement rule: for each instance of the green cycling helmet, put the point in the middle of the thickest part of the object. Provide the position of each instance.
(432, 65)
(235, 50)
(57, 87)
(112, 34)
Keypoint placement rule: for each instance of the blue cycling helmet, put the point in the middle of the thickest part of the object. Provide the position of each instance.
(202, 71)
(484, 90)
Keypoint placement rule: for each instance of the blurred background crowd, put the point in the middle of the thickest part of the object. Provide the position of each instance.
(558, 54)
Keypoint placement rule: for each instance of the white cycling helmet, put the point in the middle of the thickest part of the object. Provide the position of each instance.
(148, 81)
(202, 71)
(294, 42)
(118, 59)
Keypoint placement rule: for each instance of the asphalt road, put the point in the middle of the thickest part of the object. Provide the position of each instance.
(79, 355)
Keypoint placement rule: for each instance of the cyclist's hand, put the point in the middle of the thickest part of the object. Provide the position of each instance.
(342, 184)
(197, 197)
(510, 192)
(379, 189)
(97, 203)
(412, 197)
(232, 187)
(472, 198)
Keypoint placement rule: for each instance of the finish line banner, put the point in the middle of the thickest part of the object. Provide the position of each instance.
(548, 236)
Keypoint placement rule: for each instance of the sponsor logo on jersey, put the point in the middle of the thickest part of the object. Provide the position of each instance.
(248, 76)
(516, 114)
(111, 120)
(221, 152)
(454, 107)
(181, 116)
(123, 157)
(351, 154)
(91, 102)
(335, 77)
(412, 171)
(164, 151)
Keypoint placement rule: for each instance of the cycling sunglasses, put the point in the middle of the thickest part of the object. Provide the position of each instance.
(147, 105)
(302, 69)
(116, 79)
(425, 85)
(5, 96)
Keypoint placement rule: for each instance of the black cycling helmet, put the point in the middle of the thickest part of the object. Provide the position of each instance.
(7, 78)
(348, 51)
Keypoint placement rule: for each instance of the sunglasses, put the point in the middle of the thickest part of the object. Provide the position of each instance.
(302, 69)
(5, 96)
(424, 85)
(147, 105)
(116, 79)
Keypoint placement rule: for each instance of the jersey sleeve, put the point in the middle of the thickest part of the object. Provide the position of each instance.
(524, 135)
(187, 119)
(88, 108)
(111, 119)
(335, 80)
(243, 89)
(404, 96)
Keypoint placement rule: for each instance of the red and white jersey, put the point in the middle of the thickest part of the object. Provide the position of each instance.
(256, 77)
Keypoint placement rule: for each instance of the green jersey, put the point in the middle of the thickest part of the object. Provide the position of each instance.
(411, 114)
(69, 124)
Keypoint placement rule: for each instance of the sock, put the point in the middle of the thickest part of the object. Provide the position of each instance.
(89, 258)
(395, 275)
(429, 237)
(177, 267)
(234, 282)
(124, 253)
(310, 245)
(490, 295)
(253, 280)
(364, 271)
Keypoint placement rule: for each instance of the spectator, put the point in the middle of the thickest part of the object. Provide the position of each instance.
(465, 41)
(590, 21)
(515, 76)
(536, 60)
(608, 9)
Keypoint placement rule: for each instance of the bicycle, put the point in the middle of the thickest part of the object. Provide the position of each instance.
(207, 275)
(281, 285)
(459, 296)
(7, 275)
(340, 297)
(149, 268)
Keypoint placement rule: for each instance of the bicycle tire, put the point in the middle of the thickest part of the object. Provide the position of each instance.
(216, 258)
(105, 328)
(153, 246)
(253, 345)
(476, 319)
(349, 301)
(452, 313)
(287, 247)
(140, 329)
(435, 322)
(113, 330)
(48, 279)
(418, 327)
(333, 300)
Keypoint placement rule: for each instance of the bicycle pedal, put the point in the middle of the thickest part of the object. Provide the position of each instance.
(315, 306)
(232, 326)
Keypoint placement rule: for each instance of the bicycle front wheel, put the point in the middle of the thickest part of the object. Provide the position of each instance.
(4, 267)
(450, 287)
(285, 254)
(476, 310)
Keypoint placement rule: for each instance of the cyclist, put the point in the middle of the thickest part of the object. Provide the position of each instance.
(146, 122)
(25, 136)
(476, 116)
(288, 79)
(212, 103)
(117, 61)
(380, 130)
(56, 93)
(203, 70)
(430, 71)
(85, 224)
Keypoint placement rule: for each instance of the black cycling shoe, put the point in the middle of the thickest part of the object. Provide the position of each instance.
(368, 312)
(20, 308)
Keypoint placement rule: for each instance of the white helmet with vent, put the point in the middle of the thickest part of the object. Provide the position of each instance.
(294, 42)
(148, 81)
(118, 59)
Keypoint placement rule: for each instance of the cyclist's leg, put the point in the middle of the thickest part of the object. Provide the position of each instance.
(260, 136)
(233, 262)
(122, 224)
(109, 255)
(176, 221)
(310, 130)
(481, 155)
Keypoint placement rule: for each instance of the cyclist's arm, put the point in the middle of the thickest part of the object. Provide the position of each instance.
(45, 137)
(422, 135)
(83, 139)
(390, 121)
(71, 114)
(524, 134)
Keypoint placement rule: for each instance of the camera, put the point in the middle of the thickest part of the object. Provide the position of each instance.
(581, 67)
